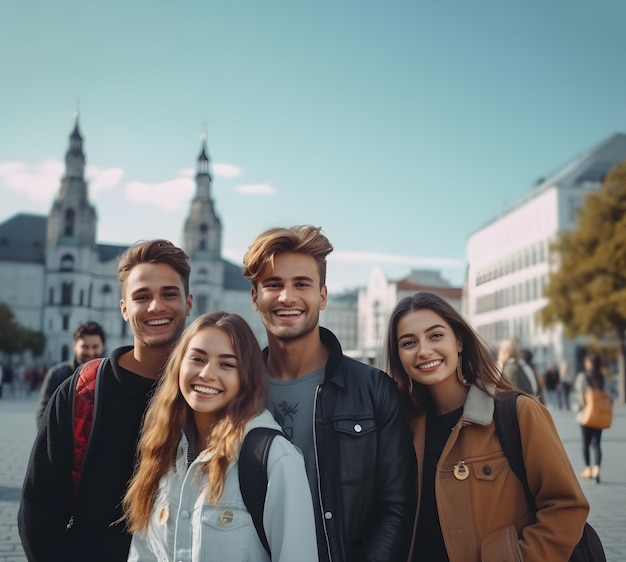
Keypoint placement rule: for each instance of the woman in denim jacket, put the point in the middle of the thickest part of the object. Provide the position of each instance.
(184, 502)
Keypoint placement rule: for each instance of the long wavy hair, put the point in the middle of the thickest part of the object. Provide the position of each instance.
(168, 413)
(477, 363)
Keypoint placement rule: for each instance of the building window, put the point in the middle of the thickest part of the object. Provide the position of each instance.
(70, 218)
(201, 303)
(51, 296)
(204, 236)
(67, 262)
(66, 293)
(65, 353)
(65, 322)
(81, 296)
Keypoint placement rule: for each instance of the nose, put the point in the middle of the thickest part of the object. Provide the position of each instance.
(423, 349)
(286, 295)
(155, 305)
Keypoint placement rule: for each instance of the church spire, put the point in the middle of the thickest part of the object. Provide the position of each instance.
(74, 157)
(203, 159)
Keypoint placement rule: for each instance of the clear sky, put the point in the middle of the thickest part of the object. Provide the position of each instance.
(400, 127)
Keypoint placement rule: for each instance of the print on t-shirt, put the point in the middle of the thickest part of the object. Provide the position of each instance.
(284, 414)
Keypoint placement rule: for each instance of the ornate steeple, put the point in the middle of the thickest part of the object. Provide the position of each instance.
(203, 229)
(72, 220)
(74, 157)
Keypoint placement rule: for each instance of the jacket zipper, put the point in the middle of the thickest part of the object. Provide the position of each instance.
(318, 391)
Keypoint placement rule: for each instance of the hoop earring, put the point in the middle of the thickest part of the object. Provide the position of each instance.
(459, 373)
(410, 386)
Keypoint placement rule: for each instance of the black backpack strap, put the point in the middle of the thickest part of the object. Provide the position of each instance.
(507, 429)
(253, 474)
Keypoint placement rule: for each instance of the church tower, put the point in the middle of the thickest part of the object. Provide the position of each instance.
(71, 253)
(72, 220)
(203, 241)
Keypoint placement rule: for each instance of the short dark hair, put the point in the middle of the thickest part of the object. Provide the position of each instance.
(89, 329)
(154, 251)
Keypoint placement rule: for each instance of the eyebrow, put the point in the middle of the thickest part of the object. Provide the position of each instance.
(297, 278)
(434, 327)
(148, 290)
(202, 352)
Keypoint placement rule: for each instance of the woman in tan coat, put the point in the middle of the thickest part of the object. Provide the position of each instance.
(472, 506)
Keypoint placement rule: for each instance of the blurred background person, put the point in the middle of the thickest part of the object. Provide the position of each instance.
(88, 344)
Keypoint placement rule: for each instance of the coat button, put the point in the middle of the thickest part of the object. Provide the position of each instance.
(328, 515)
(226, 517)
(358, 428)
(486, 470)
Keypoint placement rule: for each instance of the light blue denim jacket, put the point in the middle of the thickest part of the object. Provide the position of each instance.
(185, 527)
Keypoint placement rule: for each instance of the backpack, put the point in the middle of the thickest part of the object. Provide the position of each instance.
(589, 548)
(252, 457)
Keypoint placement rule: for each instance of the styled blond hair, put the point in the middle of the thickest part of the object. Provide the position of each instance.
(168, 412)
(302, 239)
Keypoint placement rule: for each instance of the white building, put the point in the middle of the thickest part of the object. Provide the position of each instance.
(508, 259)
(359, 317)
(54, 275)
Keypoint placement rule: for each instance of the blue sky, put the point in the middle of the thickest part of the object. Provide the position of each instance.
(400, 127)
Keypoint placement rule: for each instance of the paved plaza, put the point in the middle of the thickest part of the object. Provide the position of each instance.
(17, 431)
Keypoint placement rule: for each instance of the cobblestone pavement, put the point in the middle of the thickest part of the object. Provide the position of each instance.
(17, 432)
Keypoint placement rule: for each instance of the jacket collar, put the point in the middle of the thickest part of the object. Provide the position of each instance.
(479, 406)
(335, 357)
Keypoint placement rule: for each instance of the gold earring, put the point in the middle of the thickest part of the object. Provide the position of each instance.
(459, 372)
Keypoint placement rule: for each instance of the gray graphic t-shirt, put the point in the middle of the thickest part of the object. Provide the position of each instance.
(291, 403)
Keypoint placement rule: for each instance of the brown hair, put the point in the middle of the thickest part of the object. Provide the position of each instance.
(168, 413)
(478, 365)
(89, 329)
(154, 251)
(302, 239)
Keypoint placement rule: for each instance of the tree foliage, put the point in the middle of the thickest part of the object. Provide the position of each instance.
(587, 290)
(14, 338)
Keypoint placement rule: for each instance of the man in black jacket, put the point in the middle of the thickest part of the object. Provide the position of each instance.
(55, 524)
(88, 344)
(345, 416)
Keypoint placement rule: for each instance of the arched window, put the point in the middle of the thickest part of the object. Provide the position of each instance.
(67, 262)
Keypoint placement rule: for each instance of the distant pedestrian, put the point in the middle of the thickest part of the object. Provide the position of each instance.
(593, 376)
(533, 372)
(88, 343)
(552, 380)
(565, 390)
(510, 360)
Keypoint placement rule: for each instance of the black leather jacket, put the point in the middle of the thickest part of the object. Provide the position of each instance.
(366, 464)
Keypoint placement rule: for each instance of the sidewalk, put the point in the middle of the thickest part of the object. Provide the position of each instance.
(17, 432)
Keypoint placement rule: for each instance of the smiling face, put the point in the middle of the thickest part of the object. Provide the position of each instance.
(155, 305)
(209, 375)
(87, 347)
(289, 297)
(428, 348)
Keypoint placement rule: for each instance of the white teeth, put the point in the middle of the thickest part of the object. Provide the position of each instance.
(430, 365)
(289, 312)
(158, 322)
(205, 389)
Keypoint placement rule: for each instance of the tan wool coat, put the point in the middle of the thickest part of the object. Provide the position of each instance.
(485, 517)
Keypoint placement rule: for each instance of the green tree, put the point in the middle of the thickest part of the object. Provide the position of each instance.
(587, 290)
(14, 338)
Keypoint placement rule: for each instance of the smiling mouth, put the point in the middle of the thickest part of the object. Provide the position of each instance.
(205, 390)
(285, 313)
(430, 364)
(160, 322)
